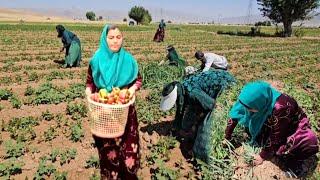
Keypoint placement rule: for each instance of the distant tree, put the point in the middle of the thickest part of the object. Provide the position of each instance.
(100, 18)
(146, 18)
(140, 15)
(169, 22)
(288, 11)
(125, 20)
(91, 15)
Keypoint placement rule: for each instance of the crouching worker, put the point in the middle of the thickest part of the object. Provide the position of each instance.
(173, 57)
(195, 99)
(276, 122)
(211, 60)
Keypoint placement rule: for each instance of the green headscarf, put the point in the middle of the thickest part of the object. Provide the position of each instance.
(110, 69)
(257, 95)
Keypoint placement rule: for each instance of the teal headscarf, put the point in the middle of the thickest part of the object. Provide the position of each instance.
(257, 95)
(111, 69)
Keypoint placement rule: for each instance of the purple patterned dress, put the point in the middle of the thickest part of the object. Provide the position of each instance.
(287, 133)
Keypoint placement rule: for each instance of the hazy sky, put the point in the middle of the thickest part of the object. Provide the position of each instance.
(206, 8)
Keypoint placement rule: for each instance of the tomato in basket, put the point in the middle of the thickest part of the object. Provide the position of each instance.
(116, 96)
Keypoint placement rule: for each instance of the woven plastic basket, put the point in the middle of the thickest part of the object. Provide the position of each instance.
(106, 120)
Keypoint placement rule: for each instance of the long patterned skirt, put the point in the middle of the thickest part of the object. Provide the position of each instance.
(159, 36)
(119, 157)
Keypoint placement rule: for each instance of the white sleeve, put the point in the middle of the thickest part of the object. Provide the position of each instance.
(208, 63)
(216, 61)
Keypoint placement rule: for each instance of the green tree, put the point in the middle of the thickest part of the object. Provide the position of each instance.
(140, 15)
(146, 18)
(91, 15)
(288, 11)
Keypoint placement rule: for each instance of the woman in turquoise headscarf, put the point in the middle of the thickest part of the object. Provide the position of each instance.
(275, 122)
(112, 66)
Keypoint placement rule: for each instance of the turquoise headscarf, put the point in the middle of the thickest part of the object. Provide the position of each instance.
(257, 95)
(110, 69)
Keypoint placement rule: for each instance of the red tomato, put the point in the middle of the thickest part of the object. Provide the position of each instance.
(122, 100)
(110, 100)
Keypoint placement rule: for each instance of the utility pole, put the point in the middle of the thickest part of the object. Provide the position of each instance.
(249, 12)
(219, 18)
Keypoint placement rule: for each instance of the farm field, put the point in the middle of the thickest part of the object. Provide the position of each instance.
(43, 112)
